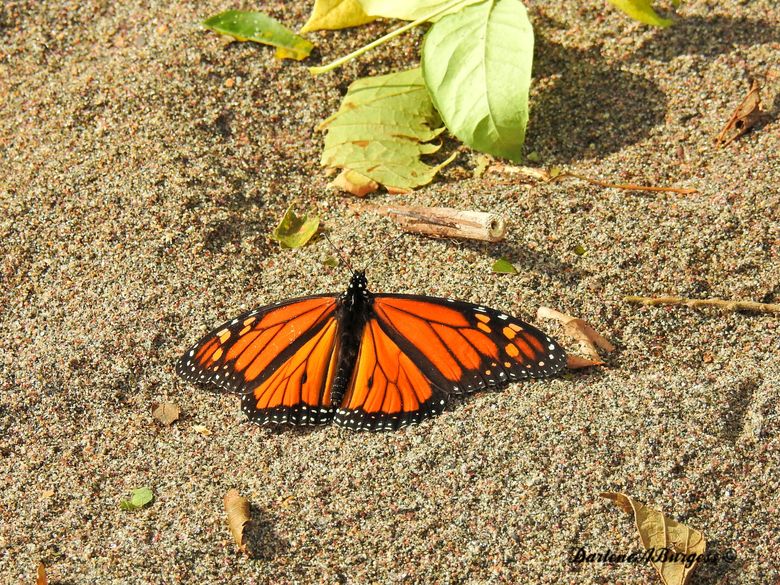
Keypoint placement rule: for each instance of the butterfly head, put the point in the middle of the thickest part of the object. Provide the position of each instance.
(358, 287)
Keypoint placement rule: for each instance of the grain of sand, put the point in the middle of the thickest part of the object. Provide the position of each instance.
(143, 165)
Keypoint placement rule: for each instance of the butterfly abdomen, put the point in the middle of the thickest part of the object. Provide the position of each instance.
(353, 309)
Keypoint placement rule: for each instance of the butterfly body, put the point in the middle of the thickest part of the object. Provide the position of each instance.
(364, 360)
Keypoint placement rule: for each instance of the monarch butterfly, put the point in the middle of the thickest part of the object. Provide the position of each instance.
(363, 360)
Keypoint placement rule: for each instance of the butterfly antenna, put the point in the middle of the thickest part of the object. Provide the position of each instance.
(384, 250)
(339, 252)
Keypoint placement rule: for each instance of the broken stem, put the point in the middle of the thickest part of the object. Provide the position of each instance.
(389, 36)
(696, 303)
(628, 186)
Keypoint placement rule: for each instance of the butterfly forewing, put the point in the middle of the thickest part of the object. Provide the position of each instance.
(240, 354)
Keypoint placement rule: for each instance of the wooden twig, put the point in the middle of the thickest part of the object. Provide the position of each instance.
(552, 177)
(445, 222)
(629, 186)
(696, 303)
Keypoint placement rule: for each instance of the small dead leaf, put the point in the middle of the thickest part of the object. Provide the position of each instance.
(658, 532)
(747, 114)
(42, 578)
(355, 183)
(201, 430)
(575, 362)
(260, 28)
(580, 330)
(238, 516)
(504, 266)
(167, 413)
(47, 494)
(294, 231)
(483, 162)
(587, 336)
(140, 498)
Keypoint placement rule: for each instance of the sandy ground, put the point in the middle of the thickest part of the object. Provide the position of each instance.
(144, 164)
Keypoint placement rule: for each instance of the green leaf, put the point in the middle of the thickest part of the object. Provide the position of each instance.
(260, 28)
(382, 128)
(477, 67)
(504, 266)
(294, 231)
(411, 9)
(140, 498)
(641, 10)
(335, 14)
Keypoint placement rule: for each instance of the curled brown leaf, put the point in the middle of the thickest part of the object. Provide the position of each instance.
(166, 412)
(238, 516)
(589, 339)
(658, 532)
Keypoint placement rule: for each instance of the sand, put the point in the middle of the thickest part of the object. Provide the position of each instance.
(143, 165)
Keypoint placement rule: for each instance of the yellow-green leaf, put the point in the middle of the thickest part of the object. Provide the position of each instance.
(335, 14)
(658, 532)
(412, 9)
(294, 231)
(477, 67)
(382, 128)
(641, 10)
(139, 498)
(504, 266)
(260, 28)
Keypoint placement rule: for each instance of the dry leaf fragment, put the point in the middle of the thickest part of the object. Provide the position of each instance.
(238, 516)
(201, 430)
(167, 413)
(575, 362)
(42, 578)
(658, 533)
(355, 183)
(580, 330)
(587, 336)
(747, 114)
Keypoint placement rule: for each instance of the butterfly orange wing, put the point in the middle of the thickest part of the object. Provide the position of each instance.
(281, 357)
(388, 389)
(416, 350)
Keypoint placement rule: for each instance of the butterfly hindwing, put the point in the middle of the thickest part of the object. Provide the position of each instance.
(469, 346)
(388, 389)
(298, 390)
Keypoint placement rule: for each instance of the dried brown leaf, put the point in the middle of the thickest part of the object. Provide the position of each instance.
(575, 362)
(745, 116)
(238, 517)
(588, 338)
(42, 578)
(355, 183)
(166, 412)
(657, 532)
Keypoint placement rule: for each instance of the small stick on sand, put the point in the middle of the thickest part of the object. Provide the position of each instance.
(551, 177)
(696, 303)
(445, 222)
